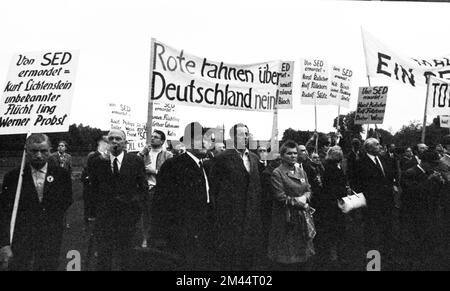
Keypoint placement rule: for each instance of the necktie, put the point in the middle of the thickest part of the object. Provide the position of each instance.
(246, 160)
(115, 167)
(202, 169)
(379, 166)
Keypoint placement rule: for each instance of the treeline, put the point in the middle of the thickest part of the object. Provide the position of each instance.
(81, 139)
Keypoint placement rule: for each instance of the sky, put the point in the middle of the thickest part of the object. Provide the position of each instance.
(114, 38)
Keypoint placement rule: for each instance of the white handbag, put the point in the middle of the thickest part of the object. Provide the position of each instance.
(351, 202)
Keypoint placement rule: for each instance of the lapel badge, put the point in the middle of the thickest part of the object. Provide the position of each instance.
(50, 179)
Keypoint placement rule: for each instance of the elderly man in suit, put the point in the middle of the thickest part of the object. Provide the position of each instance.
(236, 186)
(376, 181)
(118, 185)
(46, 195)
(183, 207)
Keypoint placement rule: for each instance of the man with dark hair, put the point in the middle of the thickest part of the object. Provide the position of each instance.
(154, 158)
(61, 157)
(118, 186)
(183, 207)
(46, 195)
(236, 186)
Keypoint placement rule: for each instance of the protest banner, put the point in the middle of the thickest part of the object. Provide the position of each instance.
(444, 121)
(340, 86)
(166, 119)
(38, 92)
(37, 98)
(438, 101)
(371, 105)
(179, 77)
(123, 118)
(314, 82)
(383, 61)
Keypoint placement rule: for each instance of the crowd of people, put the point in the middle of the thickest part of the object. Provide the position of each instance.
(216, 207)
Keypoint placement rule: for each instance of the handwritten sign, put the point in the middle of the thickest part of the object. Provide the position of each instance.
(122, 118)
(314, 82)
(179, 77)
(371, 105)
(38, 93)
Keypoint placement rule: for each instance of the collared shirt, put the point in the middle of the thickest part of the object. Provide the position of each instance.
(374, 159)
(197, 161)
(119, 161)
(39, 180)
(245, 159)
(153, 157)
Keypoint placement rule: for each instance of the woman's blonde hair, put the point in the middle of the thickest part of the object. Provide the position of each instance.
(334, 154)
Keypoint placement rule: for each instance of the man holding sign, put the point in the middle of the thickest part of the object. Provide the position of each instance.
(46, 195)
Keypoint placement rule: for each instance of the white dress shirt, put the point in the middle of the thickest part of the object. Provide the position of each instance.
(374, 160)
(119, 161)
(197, 161)
(39, 180)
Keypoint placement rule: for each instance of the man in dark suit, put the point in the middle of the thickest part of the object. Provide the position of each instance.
(46, 195)
(183, 207)
(118, 185)
(375, 179)
(236, 186)
(89, 203)
(61, 157)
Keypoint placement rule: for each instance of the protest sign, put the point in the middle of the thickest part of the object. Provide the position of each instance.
(123, 118)
(371, 105)
(314, 82)
(383, 61)
(444, 121)
(340, 86)
(438, 97)
(38, 92)
(179, 77)
(166, 119)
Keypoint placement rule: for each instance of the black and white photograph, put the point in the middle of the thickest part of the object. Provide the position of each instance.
(224, 142)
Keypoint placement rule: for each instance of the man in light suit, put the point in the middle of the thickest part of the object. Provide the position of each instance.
(46, 195)
(375, 178)
(183, 207)
(236, 187)
(118, 184)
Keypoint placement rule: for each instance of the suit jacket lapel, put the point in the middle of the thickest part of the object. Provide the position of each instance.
(28, 187)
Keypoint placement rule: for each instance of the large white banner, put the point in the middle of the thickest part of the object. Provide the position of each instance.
(383, 61)
(38, 93)
(371, 105)
(179, 77)
(439, 97)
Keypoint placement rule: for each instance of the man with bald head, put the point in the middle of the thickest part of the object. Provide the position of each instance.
(118, 185)
(375, 178)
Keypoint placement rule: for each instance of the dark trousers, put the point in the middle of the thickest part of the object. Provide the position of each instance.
(378, 233)
(41, 253)
(115, 231)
